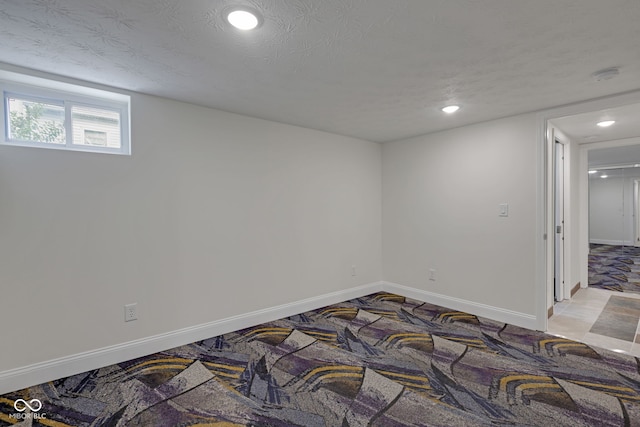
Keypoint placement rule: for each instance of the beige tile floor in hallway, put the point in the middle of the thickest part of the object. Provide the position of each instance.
(596, 316)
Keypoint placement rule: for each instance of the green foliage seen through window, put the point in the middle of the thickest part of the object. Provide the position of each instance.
(29, 125)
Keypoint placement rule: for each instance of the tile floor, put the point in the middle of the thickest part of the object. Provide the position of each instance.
(592, 316)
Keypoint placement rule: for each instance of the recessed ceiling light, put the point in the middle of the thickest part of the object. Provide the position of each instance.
(449, 109)
(606, 123)
(604, 176)
(592, 172)
(243, 18)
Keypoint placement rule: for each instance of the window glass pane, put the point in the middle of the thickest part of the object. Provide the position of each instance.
(96, 127)
(35, 121)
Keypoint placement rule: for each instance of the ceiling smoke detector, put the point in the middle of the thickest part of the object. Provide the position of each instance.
(606, 74)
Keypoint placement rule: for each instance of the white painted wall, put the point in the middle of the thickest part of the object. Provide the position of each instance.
(440, 210)
(214, 215)
(611, 210)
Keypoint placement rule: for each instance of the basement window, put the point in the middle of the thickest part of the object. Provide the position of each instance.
(50, 114)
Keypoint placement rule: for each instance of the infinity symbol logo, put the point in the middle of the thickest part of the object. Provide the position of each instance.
(21, 405)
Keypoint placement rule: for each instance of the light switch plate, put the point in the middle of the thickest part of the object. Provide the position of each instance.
(503, 209)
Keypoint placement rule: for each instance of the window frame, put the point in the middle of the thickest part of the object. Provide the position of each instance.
(71, 95)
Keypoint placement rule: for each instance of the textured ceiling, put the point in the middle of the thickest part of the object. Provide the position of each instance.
(374, 69)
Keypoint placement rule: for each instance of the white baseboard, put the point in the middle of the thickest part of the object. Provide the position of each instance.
(39, 373)
(528, 321)
(611, 242)
(16, 379)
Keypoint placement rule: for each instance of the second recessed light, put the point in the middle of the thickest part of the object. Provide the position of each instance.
(450, 109)
(606, 123)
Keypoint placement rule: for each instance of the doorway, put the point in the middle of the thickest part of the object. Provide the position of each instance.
(573, 252)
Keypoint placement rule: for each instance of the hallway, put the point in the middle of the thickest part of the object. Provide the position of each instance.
(601, 318)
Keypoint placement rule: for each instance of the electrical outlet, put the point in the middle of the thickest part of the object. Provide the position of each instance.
(131, 312)
(432, 274)
(353, 270)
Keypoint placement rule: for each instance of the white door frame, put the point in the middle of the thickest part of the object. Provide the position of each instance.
(636, 212)
(544, 211)
(559, 190)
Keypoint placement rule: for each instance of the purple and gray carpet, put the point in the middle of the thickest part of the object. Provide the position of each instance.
(615, 268)
(381, 360)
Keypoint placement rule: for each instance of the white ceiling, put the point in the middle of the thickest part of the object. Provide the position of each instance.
(374, 69)
(582, 128)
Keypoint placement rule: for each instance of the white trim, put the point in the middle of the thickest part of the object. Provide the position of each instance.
(569, 226)
(541, 261)
(38, 373)
(636, 212)
(528, 321)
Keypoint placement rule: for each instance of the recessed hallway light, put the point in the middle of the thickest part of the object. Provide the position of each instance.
(243, 18)
(450, 109)
(604, 176)
(605, 123)
(592, 172)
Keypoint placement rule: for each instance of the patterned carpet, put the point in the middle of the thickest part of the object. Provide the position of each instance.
(616, 268)
(380, 360)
